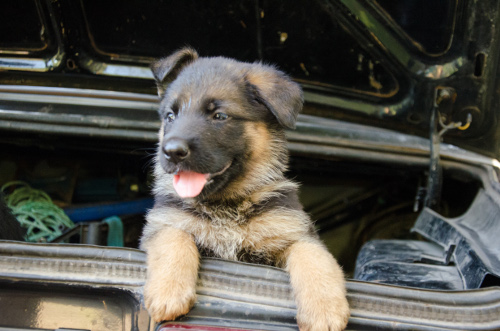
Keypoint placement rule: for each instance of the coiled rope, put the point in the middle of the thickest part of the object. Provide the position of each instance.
(35, 211)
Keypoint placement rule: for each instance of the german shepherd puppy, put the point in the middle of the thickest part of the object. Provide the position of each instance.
(220, 189)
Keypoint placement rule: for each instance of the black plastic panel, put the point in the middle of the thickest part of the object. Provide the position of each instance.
(406, 263)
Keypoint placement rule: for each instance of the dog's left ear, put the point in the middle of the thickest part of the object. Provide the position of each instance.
(167, 69)
(277, 92)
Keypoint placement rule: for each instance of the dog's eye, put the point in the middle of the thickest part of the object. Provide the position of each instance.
(220, 116)
(170, 117)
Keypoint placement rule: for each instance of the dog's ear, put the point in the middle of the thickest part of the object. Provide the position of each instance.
(167, 69)
(277, 92)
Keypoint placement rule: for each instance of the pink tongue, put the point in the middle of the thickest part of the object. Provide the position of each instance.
(189, 184)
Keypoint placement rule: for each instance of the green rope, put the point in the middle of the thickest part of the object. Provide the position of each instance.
(35, 211)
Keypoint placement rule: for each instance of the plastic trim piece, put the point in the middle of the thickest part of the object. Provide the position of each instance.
(472, 238)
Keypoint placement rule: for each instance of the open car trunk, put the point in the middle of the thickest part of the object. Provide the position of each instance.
(396, 153)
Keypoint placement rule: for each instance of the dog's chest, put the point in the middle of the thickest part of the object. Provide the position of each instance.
(247, 232)
(226, 236)
(222, 239)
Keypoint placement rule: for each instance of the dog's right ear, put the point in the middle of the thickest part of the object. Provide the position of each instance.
(167, 69)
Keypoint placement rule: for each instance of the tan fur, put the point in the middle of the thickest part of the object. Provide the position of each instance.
(318, 285)
(265, 151)
(269, 233)
(172, 273)
(255, 217)
(279, 235)
(261, 79)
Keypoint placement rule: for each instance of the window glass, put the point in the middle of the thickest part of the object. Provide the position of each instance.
(300, 36)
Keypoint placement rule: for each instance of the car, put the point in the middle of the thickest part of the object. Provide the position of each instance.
(396, 151)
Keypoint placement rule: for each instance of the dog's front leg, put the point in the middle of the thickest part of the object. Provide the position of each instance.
(318, 285)
(173, 261)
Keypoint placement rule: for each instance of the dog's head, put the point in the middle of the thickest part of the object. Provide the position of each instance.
(221, 121)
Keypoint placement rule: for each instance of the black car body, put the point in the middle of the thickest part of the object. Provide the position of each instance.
(396, 152)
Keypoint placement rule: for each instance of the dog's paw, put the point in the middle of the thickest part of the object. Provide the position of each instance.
(323, 314)
(167, 302)
(319, 287)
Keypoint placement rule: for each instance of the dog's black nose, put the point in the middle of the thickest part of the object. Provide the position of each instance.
(176, 150)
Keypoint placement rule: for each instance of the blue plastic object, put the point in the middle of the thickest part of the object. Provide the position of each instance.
(101, 211)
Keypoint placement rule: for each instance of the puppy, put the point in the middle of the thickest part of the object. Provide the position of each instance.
(220, 190)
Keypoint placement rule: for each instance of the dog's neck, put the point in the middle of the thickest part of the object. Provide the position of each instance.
(236, 209)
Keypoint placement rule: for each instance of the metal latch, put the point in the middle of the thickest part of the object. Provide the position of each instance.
(444, 99)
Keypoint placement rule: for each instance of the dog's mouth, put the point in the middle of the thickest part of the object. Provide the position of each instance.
(189, 184)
